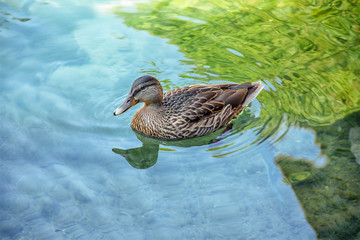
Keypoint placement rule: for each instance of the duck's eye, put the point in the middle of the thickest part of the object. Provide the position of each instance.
(142, 88)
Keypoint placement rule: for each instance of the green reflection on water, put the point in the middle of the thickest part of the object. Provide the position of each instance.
(308, 51)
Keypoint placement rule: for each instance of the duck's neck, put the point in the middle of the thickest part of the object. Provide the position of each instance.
(145, 118)
(152, 108)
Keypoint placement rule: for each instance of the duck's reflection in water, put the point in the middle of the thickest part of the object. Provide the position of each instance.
(146, 156)
(141, 157)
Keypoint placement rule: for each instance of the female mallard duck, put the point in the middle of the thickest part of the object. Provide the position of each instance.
(185, 112)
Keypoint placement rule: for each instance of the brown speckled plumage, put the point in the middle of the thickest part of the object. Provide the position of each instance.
(186, 112)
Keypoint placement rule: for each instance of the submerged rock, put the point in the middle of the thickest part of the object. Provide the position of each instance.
(330, 195)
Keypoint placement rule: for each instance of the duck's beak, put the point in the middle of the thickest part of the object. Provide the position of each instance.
(128, 103)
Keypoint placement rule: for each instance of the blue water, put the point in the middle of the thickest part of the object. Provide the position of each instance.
(64, 67)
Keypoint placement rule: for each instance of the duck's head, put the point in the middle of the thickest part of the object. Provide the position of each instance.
(145, 89)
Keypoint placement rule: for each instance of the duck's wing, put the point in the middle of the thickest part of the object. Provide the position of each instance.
(199, 110)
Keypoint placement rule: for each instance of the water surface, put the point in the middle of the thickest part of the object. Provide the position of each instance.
(290, 163)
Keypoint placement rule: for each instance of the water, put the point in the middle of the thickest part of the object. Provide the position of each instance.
(65, 66)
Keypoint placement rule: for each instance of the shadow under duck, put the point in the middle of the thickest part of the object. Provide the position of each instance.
(186, 112)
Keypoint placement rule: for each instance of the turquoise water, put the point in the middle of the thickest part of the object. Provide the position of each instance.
(64, 67)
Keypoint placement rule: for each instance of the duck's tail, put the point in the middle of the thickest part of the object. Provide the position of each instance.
(253, 90)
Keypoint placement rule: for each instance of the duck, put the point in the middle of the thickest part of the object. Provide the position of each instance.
(186, 112)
